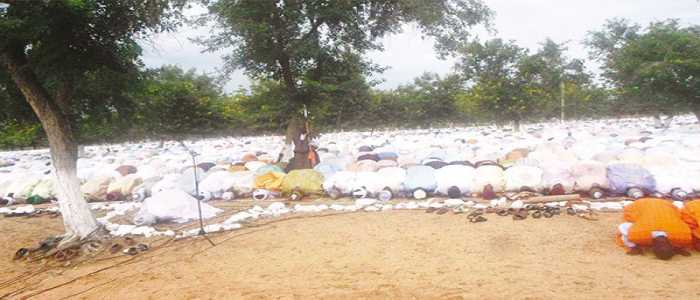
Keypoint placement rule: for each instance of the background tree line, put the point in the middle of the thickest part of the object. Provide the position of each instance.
(646, 71)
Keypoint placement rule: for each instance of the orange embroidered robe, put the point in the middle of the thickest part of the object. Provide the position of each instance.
(650, 214)
(691, 215)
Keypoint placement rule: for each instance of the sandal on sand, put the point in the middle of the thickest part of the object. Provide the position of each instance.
(430, 210)
(442, 211)
(92, 247)
(459, 210)
(571, 211)
(142, 247)
(22, 252)
(63, 255)
(478, 219)
(547, 214)
(502, 212)
(131, 251)
(537, 214)
(520, 215)
(115, 248)
(554, 210)
(474, 214)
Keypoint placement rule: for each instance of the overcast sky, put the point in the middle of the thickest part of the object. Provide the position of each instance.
(528, 22)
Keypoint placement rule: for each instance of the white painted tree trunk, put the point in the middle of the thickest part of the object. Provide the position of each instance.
(78, 219)
(81, 151)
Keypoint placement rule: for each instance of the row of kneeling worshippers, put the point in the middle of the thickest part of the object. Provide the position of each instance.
(596, 158)
(363, 178)
(661, 227)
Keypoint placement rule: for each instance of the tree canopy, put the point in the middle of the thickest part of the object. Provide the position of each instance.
(295, 42)
(653, 68)
(647, 70)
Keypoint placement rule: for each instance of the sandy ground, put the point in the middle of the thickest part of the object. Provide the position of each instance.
(399, 254)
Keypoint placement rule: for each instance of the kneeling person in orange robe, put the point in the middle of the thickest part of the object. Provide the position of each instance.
(654, 223)
(691, 215)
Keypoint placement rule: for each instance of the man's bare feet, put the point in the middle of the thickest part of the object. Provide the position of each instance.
(682, 252)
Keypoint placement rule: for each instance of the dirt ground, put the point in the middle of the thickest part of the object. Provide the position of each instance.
(399, 254)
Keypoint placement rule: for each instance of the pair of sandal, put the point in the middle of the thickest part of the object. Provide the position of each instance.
(542, 213)
(439, 211)
(44, 246)
(476, 216)
(518, 214)
(586, 214)
(66, 254)
(132, 248)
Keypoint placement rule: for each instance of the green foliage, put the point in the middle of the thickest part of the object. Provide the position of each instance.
(105, 104)
(507, 83)
(16, 135)
(73, 60)
(14, 108)
(431, 99)
(175, 103)
(310, 53)
(655, 69)
(300, 43)
(64, 39)
(266, 107)
(555, 69)
(159, 103)
(502, 76)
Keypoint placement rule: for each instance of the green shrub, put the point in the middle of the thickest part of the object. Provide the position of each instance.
(15, 135)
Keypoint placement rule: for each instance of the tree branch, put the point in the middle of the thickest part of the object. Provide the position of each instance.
(50, 114)
(314, 28)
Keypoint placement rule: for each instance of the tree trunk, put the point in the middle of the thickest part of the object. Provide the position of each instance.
(81, 151)
(289, 79)
(657, 121)
(78, 220)
(516, 125)
(697, 114)
(338, 120)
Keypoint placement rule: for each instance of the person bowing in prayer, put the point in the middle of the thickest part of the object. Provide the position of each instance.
(654, 224)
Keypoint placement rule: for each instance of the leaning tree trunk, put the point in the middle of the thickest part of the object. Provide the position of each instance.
(78, 220)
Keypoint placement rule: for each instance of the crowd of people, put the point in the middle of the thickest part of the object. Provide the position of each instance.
(631, 158)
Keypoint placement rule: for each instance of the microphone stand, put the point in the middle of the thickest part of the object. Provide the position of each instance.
(197, 196)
